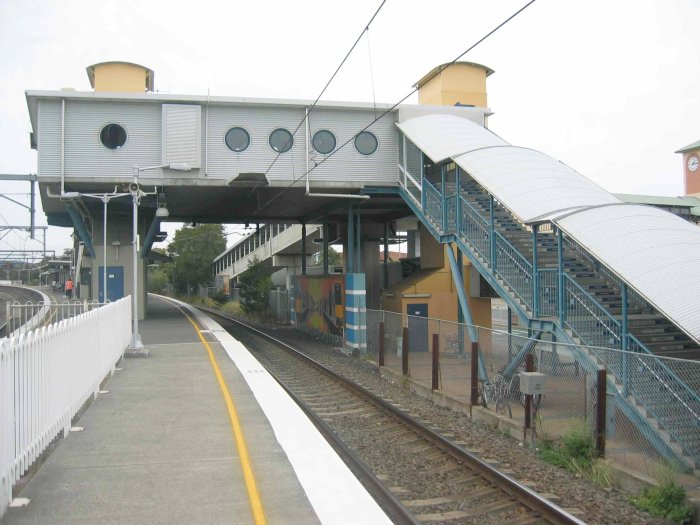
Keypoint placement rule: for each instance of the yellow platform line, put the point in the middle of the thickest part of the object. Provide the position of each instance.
(253, 494)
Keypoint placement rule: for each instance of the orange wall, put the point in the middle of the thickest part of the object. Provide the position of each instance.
(692, 178)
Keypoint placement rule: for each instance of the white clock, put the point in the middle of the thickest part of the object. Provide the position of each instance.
(692, 163)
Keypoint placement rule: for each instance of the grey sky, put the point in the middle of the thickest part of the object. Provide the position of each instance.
(608, 87)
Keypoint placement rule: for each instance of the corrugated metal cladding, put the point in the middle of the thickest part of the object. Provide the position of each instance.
(182, 134)
(656, 252)
(445, 136)
(49, 138)
(531, 184)
(85, 154)
(345, 167)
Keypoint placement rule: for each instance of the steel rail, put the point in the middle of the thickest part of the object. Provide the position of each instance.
(529, 498)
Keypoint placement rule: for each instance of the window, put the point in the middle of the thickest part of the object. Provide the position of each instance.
(323, 141)
(113, 136)
(366, 143)
(281, 140)
(237, 139)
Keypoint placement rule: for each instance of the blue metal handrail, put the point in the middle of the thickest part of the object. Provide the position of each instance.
(580, 301)
(433, 204)
(691, 393)
(548, 291)
(633, 296)
(474, 229)
(514, 269)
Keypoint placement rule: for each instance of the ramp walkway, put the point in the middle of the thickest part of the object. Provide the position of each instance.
(159, 443)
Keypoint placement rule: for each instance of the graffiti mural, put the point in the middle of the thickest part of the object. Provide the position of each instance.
(318, 303)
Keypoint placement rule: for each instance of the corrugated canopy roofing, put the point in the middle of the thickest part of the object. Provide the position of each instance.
(534, 186)
(442, 137)
(654, 251)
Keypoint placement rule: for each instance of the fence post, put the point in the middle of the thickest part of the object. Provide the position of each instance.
(381, 343)
(529, 367)
(600, 415)
(436, 360)
(8, 319)
(404, 351)
(475, 374)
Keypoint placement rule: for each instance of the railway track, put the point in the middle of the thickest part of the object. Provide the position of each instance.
(415, 472)
(13, 294)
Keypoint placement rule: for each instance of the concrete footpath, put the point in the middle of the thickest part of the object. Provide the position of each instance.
(158, 446)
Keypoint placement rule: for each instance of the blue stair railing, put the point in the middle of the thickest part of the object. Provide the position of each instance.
(452, 216)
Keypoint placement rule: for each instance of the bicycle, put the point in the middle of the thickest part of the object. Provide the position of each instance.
(497, 391)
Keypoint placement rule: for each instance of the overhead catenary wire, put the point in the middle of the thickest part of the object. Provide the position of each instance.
(392, 107)
(306, 116)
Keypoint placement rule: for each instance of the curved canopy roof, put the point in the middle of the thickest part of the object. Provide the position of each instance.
(534, 186)
(656, 252)
(442, 137)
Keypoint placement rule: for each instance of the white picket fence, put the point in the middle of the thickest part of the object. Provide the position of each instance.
(46, 376)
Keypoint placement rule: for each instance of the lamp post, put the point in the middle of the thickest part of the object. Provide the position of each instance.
(136, 348)
(105, 198)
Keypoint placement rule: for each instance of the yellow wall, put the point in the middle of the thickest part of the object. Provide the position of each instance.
(463, 83)
(431, 251)
(442, 303)
(120, 78)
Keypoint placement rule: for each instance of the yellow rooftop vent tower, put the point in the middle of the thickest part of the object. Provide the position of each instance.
(462, 83)
(120, 77)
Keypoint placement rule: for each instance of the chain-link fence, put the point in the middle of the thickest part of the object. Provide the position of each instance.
(279, 306)
(648, 406)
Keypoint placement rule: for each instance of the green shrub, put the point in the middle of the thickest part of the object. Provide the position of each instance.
(220, 297)
(575, 452)
(667, 501)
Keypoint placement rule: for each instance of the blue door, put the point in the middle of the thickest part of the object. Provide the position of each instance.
(417, 327)
(115, 283)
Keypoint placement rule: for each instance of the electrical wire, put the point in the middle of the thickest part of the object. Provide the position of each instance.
(366, 28)
(393, 107)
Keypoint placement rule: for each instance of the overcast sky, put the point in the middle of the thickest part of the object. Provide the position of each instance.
(612, 88)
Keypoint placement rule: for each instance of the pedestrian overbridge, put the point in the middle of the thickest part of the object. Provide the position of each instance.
(276, 246)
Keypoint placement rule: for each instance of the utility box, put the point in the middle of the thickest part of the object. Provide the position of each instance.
(532, 383)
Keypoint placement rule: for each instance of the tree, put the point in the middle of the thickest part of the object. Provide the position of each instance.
(193, 250)
(255, 284)
(335, 258)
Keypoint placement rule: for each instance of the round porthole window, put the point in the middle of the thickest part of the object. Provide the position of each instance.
(237, 139)
(113, 136)
(366, 143)
(323, 141)
(281, 140)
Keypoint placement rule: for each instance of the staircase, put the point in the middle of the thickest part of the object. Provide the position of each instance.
(585, 301)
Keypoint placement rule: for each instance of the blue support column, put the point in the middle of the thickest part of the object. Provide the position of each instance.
(150, 237)
(458, 218)
(625, 341)
(356, 312)
(560, 275)
(358, 241)
(492, 234)
(460, 315)
(442, 198)
(422, 188)
(81, 228)
(303, 248)
(464, 305)
(350, 260)
(535, 276)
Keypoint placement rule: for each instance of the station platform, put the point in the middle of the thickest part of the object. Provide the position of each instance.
(197, 432)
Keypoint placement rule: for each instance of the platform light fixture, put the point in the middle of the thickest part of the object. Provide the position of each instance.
(136, 348)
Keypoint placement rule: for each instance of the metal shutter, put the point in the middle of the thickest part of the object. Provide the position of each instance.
(182, 134)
